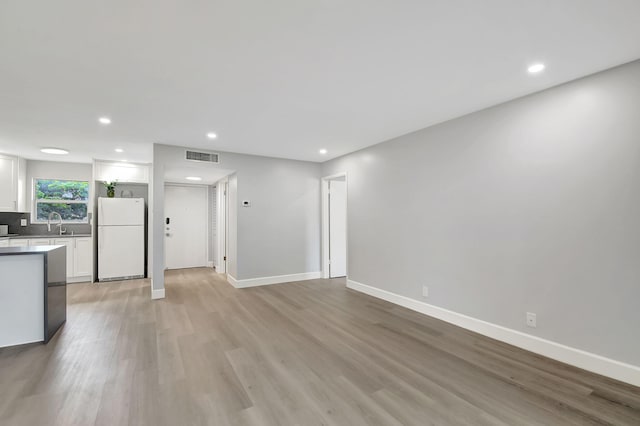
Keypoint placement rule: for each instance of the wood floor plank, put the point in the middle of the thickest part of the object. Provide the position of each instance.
(305, 353)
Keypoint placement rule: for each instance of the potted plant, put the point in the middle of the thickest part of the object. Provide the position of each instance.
(111, 188)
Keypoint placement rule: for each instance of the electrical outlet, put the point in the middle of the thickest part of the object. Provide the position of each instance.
(531, 320)
(425, 291)
(23, 222)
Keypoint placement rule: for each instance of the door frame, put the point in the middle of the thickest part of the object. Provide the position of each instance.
(165, 217)
(324, 182)
(222, 223)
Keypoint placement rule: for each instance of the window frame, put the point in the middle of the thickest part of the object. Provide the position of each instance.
(35, 201)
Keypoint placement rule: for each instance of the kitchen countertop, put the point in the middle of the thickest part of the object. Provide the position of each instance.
(26, 237)
(9, 251)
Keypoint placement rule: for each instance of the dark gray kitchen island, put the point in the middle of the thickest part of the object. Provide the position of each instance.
(33, 293)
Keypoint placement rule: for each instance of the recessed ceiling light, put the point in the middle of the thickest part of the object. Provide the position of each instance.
(119, 150)
(535, 68)
(211, 135)
(104, 120)
(193, 178)
(54, 151)
(323, 151)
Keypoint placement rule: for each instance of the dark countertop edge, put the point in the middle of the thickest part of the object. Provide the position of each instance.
(10, 251)
(28, 237)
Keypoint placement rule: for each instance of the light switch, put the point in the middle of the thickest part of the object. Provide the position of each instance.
(23, 222)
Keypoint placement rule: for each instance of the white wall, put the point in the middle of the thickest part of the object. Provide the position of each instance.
(232, 220)
(54, 170)
(156, 225)
(530, 206)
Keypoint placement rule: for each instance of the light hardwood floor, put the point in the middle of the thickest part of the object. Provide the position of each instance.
(307, 353)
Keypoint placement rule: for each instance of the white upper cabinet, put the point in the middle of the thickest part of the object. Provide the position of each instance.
(12, 184)
(121, 172)
(8, 184)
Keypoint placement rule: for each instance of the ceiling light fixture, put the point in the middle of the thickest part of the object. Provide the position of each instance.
(211, 135)
(104, 120)
(54, 151)
(323, 151)
(119, 150)
(193, 178)
(535, 68)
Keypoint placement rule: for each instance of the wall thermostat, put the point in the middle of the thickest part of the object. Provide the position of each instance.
(246, 203)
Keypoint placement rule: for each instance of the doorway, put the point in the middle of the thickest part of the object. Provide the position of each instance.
(334, 229)
(222, 211)
(186, 224)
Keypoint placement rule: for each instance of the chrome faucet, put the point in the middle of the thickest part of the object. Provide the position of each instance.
(59, 225)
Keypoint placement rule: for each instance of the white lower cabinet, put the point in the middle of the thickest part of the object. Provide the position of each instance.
(83, 257)
(68, 243)
(18, 243)
(39, 242)
(79, 254)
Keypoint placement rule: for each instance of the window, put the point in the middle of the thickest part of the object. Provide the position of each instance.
(70, 198)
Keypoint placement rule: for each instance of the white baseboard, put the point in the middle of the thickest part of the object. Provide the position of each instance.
(74, 280)
(157, 293)
(22, 343)
(232, 280)
(209, 264)
(587, 361)
(278, 279)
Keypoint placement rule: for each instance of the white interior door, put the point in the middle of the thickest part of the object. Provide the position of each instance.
(337, 228)
(186, 210)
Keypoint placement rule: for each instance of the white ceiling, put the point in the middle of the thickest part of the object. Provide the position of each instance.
(209, 175)
(282, 77)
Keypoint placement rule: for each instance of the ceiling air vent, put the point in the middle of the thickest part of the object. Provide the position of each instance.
(205, 157)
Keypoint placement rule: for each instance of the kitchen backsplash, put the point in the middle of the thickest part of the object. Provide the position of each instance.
(13, 220)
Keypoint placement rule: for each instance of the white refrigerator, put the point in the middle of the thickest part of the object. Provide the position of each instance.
(120, 238)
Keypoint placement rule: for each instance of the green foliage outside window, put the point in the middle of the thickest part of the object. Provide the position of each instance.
(70, 198)
(69, 212)
(62, 190)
